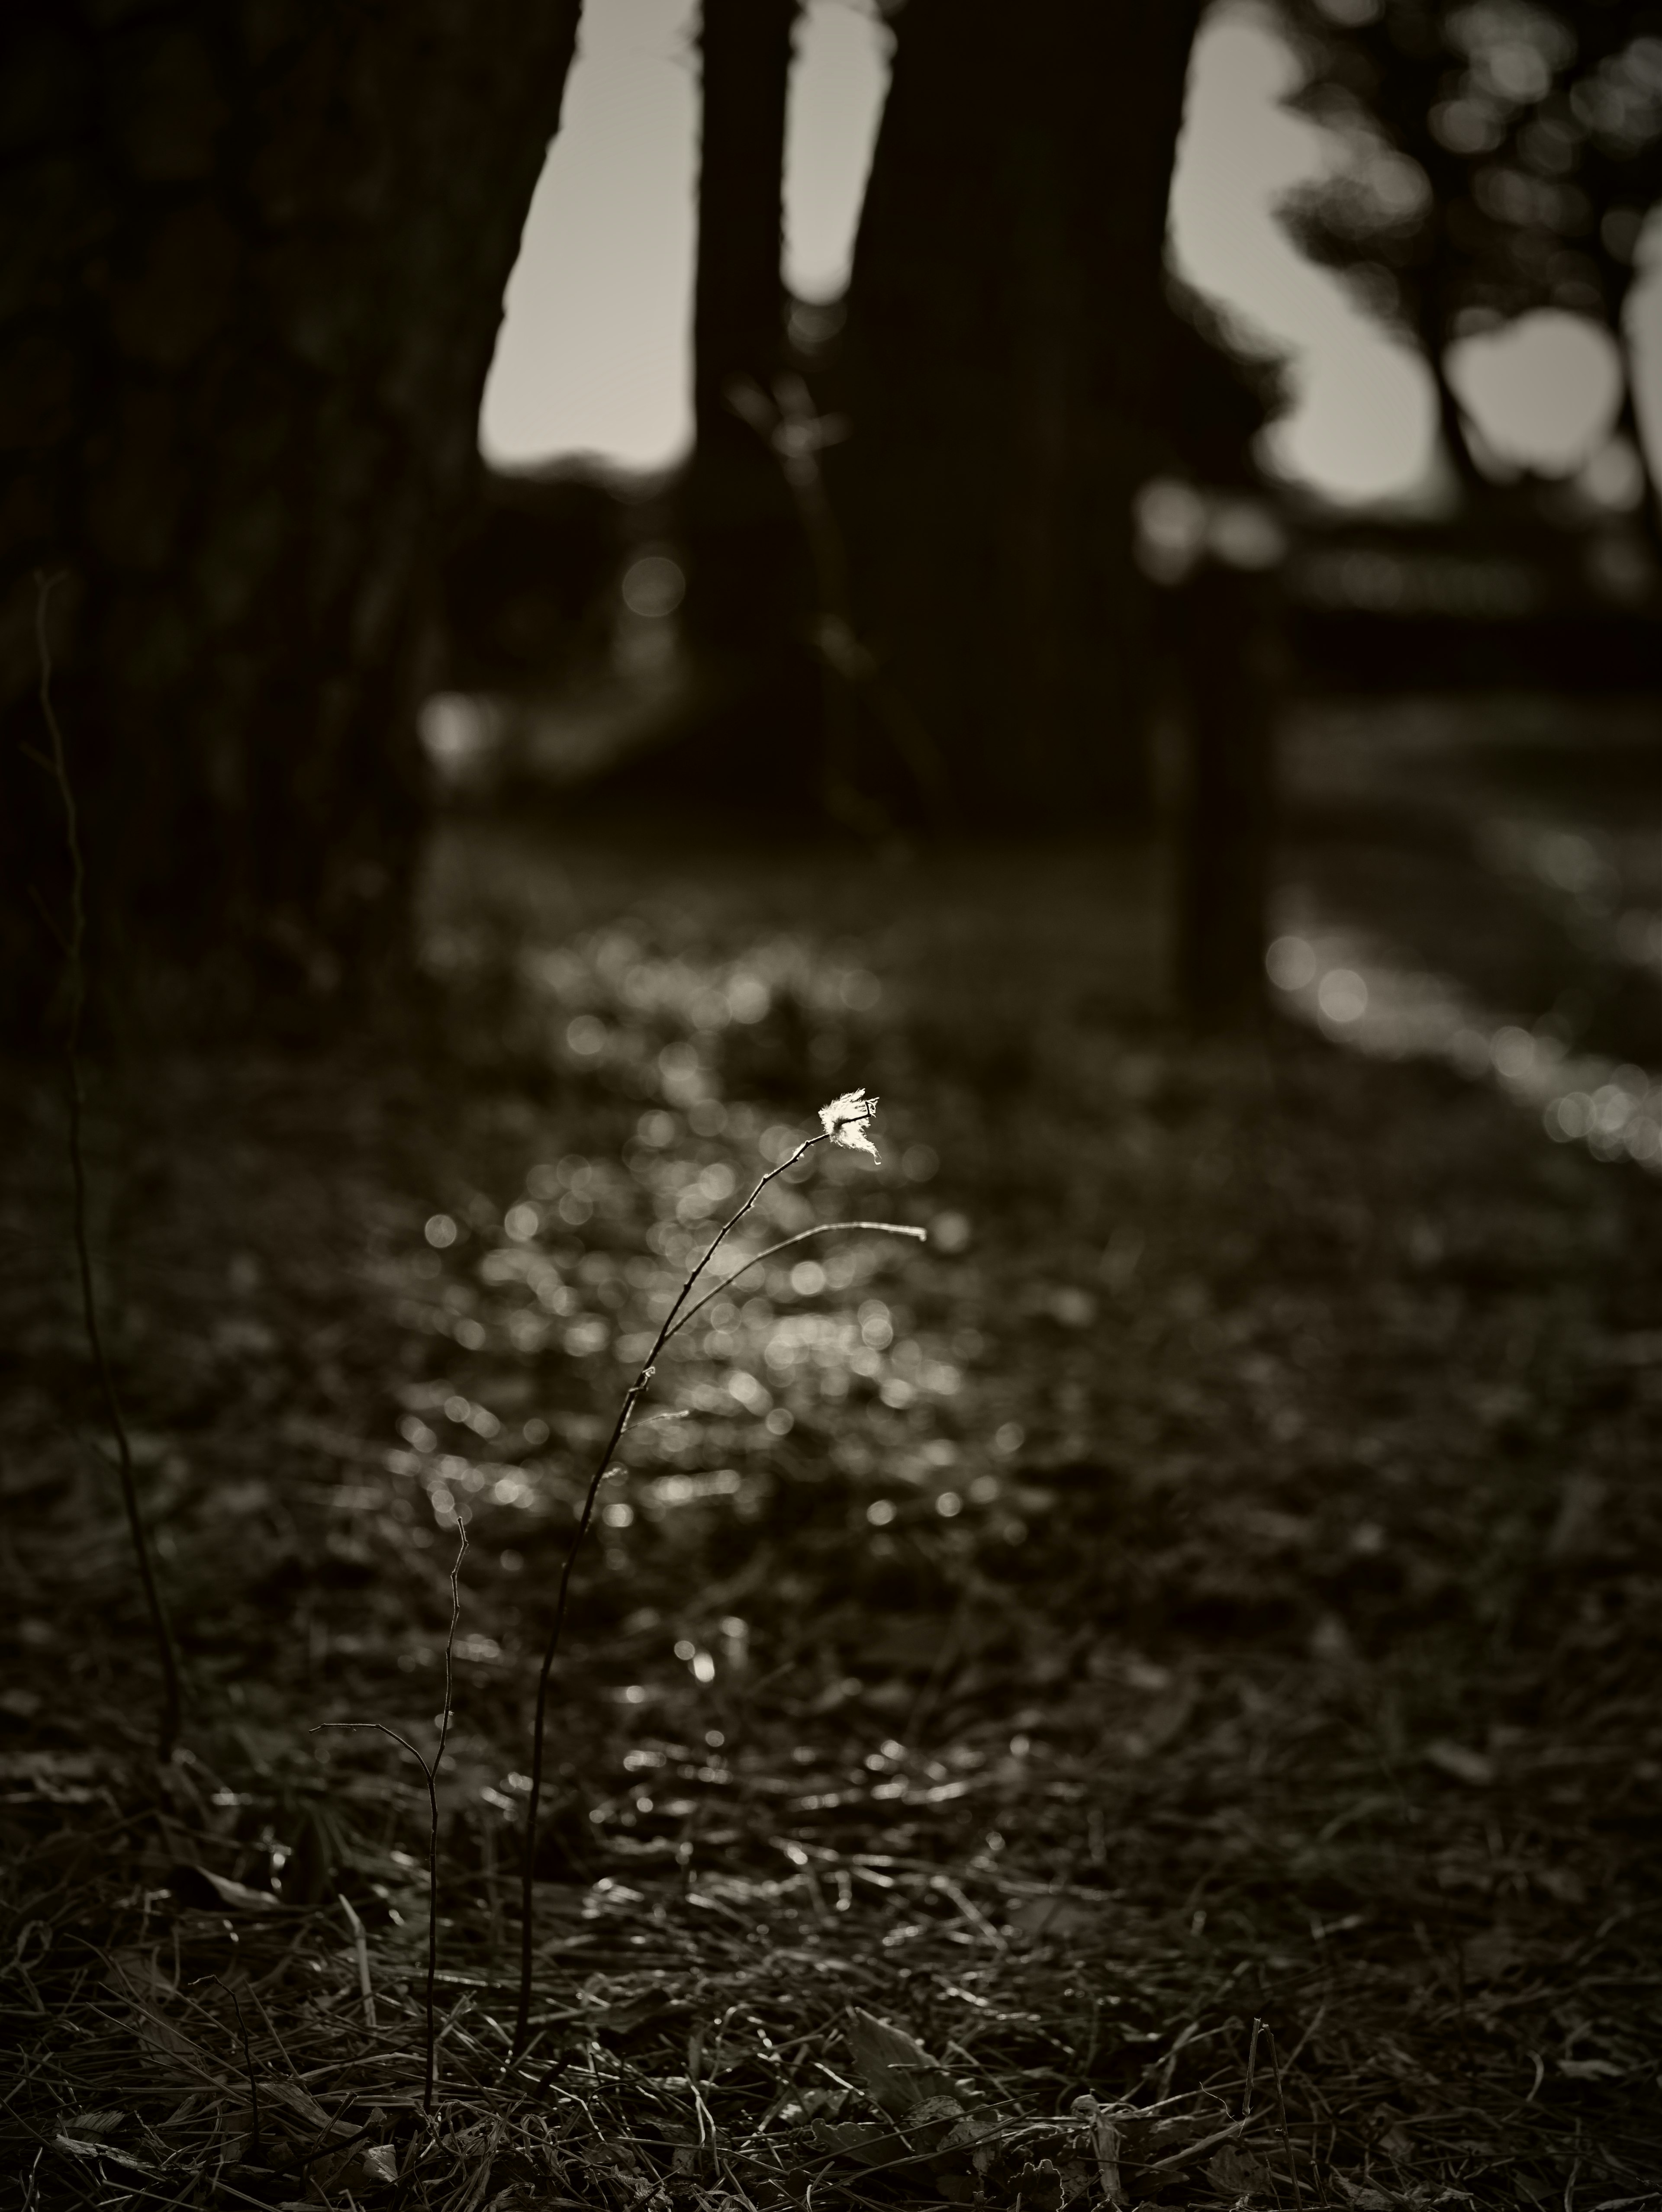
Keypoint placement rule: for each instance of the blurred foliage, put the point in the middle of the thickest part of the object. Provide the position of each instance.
(1497, 158)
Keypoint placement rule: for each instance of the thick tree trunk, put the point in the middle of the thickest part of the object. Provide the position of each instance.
(1003, 318)
(741, 536)
(256, 262)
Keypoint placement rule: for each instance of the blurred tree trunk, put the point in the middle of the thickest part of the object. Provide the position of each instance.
(1003, 320)
(739, 529)
(255, 266)
(1225, 628)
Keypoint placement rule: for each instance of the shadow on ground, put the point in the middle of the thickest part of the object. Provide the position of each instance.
(1181, 1646)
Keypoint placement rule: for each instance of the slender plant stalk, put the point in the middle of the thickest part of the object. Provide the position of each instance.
(818, 1229)
(429, 1769)
(248, 2064)
(1286, 2134)
(674, 1321)
(73, 943)
(445, 1710)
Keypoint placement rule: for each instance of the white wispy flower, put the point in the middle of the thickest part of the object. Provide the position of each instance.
(844, 1122)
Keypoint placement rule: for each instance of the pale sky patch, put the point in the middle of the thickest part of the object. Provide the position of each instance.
(594, 350)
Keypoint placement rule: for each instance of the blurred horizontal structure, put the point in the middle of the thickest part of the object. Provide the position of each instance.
(1528, 584)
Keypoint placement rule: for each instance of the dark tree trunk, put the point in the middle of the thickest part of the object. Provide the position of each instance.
(255, 264)
(743, 541)
(1003, 318)
(1222, 841)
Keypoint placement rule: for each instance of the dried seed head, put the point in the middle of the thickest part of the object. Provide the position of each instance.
(845, 1119)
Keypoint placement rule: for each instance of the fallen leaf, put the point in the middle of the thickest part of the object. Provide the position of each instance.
(868, 2140)
(899, 2074)
(205, 1891)
(1053, 1917)
(63, 1777)
(1038, 2188)
(1492, 1954)
(1235, 2171)
(301, 2101)
(1105, 2144)
(78, 2149)
(1475, 1768)
(1366, 2199)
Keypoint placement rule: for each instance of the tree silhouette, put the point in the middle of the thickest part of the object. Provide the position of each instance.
(256, 259)
(1599, 135)
(997, 368)
(737, 521)
(1499, 159)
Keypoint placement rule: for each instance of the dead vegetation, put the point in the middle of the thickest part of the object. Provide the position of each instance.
(1150, 1700)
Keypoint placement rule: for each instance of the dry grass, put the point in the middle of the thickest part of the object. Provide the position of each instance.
(1200, 1689)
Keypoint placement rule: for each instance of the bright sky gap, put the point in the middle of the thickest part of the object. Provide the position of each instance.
(592, 356)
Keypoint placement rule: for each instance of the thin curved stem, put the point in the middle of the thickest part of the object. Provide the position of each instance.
(433, 1806)
(523, 2016)
(381, 1729)
(818, 1229)
(73, 945)
(724, 1232)
(430, 1775)
(625, 1414)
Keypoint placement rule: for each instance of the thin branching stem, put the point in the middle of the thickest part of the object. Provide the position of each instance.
(726, 1230)
(625, 1415)
(433, 1806)
(1280, 2114)
(818, 1229)
(678, 1313)
(73, 944)
(248, 2064)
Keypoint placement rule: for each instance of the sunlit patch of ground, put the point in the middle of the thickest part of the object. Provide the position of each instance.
(1480, 885)
(1211, 1582)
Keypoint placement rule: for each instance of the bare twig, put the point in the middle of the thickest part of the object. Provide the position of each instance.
(844, 1123)
(430, 1775)
(248, 2064)
(446, 1712)
(73, 944)
(1280, 2114)
(818, 1229)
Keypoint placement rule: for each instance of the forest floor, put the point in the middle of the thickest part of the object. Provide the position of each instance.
(1149, 1698)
